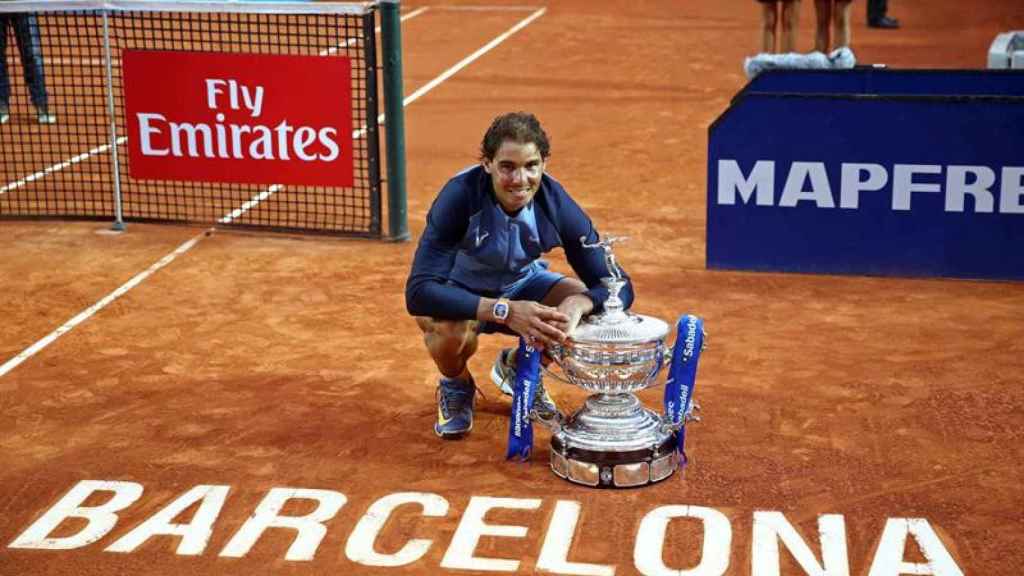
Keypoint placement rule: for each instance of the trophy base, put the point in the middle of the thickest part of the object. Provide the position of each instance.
(614, 469)
(614, 442)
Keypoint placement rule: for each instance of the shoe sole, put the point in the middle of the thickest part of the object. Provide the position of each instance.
(451, 435)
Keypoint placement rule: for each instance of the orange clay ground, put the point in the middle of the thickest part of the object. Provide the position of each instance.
(261, 362)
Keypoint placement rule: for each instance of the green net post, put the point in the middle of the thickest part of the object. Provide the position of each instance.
(394, 124)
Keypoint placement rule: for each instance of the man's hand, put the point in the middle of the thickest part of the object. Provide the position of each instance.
(538, 323)
(574, 307)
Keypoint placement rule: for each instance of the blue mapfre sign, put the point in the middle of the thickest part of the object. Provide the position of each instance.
(879, 184)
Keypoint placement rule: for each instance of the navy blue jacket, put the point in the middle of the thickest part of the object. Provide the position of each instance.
(469, 197)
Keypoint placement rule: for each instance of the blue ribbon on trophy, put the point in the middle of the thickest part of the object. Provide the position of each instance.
(520, 431)
(682, 375)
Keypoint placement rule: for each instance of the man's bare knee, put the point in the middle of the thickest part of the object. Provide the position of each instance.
(447, 330)
(446, 337)
(450, 342)
(563, 289)
(453, 330)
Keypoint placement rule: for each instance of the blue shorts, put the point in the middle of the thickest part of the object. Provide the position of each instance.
(534, 286)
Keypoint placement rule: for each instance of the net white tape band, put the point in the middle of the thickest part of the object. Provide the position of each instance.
(42, 6)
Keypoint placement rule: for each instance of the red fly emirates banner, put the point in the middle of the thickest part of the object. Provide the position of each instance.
(246, 118)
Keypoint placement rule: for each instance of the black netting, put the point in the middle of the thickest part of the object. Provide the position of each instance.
(66, 168)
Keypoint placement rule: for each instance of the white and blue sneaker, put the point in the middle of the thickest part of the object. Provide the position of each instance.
(455, 402)
(503, 374)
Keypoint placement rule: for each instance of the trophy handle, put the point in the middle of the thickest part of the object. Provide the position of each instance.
(555, 352)
(554, 423)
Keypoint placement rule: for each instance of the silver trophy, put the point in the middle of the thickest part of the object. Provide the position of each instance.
(613, 440)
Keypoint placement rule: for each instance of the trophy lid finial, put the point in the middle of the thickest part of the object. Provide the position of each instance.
(614, 324)
(614, 308)
(606, 244)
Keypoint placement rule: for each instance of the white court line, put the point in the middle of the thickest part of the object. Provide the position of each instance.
(60, 166)
(469, 59)
(250, 204)
(486, 8)
(84, 315)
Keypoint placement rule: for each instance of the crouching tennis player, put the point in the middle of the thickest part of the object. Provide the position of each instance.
(478, 266)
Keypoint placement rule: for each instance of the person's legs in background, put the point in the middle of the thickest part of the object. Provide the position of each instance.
(769, 20)
(876, 9)
(26, 30)
(5, 82)
(878, 15)
(841, 23)
(823, 19)
(790, 24)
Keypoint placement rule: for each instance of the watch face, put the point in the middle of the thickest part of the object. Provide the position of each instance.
(501, 310)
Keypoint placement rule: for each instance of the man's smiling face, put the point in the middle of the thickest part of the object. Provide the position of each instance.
(515, 171)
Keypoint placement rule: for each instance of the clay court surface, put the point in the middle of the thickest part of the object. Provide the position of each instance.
(266, 361)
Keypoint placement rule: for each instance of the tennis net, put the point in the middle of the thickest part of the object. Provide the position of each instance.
(65, 144)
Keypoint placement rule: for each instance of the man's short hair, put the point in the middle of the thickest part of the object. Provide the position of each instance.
(519, 127)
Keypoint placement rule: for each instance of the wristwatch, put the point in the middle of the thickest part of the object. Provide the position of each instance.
(501, 310)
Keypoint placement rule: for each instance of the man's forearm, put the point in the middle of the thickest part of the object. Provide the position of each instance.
(485, 309)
